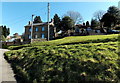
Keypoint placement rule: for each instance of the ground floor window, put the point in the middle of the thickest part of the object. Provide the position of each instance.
(36, 36)
(29, 36)
(43, 36)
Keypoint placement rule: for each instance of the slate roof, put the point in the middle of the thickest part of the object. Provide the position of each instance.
(44, 23)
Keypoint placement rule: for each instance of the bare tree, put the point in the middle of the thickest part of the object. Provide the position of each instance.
(77, 18)
(99, 14)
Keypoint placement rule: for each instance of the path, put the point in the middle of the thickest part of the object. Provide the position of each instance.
(6, 72)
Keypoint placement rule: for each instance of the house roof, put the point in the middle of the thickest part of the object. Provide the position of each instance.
(44, 23)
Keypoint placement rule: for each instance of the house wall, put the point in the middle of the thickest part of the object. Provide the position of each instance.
(38, 33)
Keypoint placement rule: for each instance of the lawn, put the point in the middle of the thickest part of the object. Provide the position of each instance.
(79, 39)
(72, 40)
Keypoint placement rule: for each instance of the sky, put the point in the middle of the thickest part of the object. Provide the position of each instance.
(16, 15)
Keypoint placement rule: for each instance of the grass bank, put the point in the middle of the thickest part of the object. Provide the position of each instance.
(72, 40)
(62, 62)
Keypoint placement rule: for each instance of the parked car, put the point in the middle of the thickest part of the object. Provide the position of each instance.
(113, 31)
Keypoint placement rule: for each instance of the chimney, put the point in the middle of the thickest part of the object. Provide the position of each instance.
(29, 22)
(52, 21)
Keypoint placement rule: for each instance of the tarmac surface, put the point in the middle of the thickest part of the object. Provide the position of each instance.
(6, 72)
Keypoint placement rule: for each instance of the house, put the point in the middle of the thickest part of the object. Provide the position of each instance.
(16, 39)
(39, 32)
(80, 29)
(84, 30)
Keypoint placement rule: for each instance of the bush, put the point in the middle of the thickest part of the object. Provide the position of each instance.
(5, 46)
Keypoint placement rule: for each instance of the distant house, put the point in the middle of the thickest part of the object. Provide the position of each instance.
(39, 32)
(80, 29)
(16, 39)
(83, 30)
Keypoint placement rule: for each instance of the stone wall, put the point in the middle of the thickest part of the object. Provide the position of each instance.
(34, 40)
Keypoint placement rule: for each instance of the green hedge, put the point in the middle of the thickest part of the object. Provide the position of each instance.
(96, 62)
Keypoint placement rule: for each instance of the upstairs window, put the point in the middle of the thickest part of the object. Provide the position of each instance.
(43, 28)
(43, 36)
(36, 29)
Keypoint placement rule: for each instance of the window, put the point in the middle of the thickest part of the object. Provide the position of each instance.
(36, 29)
(30, 29)
(29, 36)
(43, 28)
(36, 36)
(43, 36)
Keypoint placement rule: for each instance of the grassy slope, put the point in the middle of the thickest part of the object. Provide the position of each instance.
(78, 62)
(77, 39)
(72, 40)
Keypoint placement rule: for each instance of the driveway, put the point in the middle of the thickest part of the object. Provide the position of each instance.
(6, 72)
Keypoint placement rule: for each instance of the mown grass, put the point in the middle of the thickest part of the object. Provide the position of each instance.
(79, 39)
(72, 40)
(68, 61)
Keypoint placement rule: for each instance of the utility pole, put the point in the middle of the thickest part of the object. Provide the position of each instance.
(48, 20)
(32, 28)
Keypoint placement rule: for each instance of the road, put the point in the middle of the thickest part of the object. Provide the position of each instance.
(6, 72)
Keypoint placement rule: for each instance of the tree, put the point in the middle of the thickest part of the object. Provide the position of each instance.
(57, 22)
(3, 38)
(5, 31)
(67, 23)
(87, 24)
(37, 19)
(83, 24)
(112, 17)
(77, 18)
(94, 23)
(99, 14)
(109, 20)
(114, 11)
